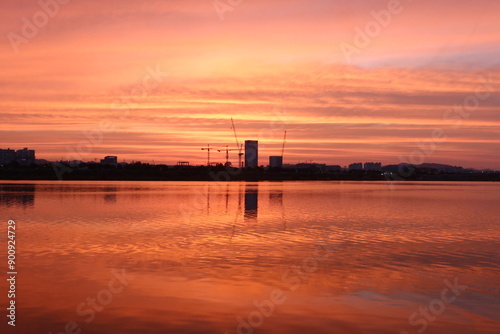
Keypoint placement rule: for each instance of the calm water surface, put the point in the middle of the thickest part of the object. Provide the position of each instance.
(268, 257)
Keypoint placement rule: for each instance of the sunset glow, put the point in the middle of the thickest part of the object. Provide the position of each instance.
(158, 80)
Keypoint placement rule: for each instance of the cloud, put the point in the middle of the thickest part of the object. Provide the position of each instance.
(265, 56)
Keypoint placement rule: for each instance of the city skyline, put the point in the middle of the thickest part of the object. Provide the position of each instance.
(254, 160)
(345, 79)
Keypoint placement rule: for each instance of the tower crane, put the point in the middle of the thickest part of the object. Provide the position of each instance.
(238, 145)
(227, 153)
(208, 148)
(283, 147)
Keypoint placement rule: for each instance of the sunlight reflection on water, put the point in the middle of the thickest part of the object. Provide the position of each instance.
(202, 253)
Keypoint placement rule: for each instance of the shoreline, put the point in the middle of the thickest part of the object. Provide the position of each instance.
(146, 172)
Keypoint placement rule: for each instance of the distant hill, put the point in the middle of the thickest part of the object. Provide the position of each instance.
(437, 166)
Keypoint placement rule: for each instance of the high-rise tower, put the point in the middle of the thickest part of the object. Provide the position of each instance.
(251, 153)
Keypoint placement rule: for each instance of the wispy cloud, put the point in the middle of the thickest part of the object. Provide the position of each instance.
(264, 54)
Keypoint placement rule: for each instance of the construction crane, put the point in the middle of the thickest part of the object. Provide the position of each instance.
(238, 145)
(227, 153)
(208, 148)
(283, 148)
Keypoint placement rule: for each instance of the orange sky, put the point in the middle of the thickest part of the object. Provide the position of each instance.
(271, 65)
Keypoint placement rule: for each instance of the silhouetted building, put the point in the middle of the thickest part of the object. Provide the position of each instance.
(110, 160)
(310, 166)
(373, 166)
(251, 153)
(7, 156)
(25, 155)
(333, 168)
(276, 161)
(356, 166)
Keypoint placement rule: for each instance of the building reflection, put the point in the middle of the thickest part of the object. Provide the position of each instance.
(110, 194)
(276, 203)
(276, 198)
(17, 195)
(251, 201)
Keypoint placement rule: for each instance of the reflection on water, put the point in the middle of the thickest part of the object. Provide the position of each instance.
(276, 203)
(21, 196)
(110, 194)
(251, 201)
(206, 256)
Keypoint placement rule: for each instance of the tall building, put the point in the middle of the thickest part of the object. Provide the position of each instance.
(251, 153)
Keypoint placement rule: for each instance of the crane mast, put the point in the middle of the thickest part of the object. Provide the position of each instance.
(283, 147)
(208, 148)
(240, 147)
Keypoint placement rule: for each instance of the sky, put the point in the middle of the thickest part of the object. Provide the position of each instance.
(349, 80)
